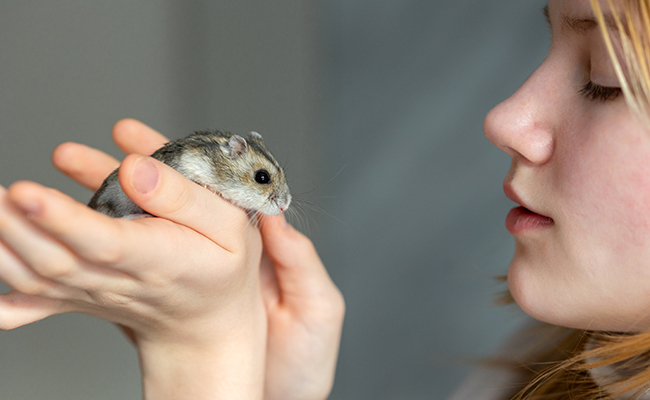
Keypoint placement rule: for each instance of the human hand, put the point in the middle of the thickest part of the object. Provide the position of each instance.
(305, 315)
(187, 284)
(305, 309)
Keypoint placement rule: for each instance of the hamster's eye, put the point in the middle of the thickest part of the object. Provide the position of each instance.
(262, 176)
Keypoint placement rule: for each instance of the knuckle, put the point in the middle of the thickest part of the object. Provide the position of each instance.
(54, 268)
(178, 201)
(335, 306)
(36, 287)
(111, 299)
(109, 250)
(107, 255)
(306, 245)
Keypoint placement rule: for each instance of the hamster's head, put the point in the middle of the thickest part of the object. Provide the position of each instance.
(253, 179)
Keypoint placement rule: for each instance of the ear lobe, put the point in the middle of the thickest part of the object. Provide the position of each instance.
(236, 146)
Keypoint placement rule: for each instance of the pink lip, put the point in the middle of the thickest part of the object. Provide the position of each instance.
(521, 219)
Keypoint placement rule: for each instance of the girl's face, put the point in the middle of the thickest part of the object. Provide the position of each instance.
(581, 176)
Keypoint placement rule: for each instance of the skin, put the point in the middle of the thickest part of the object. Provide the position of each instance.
(580, 164)
(238, 318)
(585, 163)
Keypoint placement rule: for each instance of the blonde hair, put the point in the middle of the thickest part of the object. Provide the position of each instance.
(633, 27)
(603, 365)
(588, 365)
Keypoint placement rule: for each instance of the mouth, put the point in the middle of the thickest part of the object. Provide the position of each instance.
(280, 202)
(522, 219)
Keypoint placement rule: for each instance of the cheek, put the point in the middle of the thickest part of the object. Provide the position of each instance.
(592, 270)
(604, 186)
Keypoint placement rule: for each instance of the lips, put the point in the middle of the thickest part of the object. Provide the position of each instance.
(522, 219)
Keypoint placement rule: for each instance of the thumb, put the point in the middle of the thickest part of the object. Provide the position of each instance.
(302, 277)
(164, 192)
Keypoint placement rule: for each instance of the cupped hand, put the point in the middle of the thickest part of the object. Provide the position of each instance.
(305, 315)
(142, 273)
(187, 284)
(303, 307)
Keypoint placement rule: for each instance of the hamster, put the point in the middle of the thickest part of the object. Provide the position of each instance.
(240, 169)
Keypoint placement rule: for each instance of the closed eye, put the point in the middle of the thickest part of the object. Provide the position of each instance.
(593, 91)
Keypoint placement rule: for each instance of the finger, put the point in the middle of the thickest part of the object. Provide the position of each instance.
(63, 240)
(19, 276)
(301, 276)
(164, 192)
(18, 309)
(85, 165)
(120, 253)
(13, 271)
(269, 281)
(132, 136)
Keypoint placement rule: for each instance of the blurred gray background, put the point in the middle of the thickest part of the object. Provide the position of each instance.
(375, 108)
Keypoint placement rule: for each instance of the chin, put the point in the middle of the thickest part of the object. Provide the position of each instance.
(558, 303)
(544, 300)
(551, 289)
(525, 292)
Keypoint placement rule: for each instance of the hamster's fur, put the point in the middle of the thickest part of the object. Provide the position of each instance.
(240, 169)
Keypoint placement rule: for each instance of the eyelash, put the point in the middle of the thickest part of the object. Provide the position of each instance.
(600, 93)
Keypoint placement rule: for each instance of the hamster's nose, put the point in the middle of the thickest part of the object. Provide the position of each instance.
(284, 203)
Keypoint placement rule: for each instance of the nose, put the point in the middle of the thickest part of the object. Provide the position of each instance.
(522, 125)
(285, 203)
(282, 200)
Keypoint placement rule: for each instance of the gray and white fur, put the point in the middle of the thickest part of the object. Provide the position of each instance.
(240, 169)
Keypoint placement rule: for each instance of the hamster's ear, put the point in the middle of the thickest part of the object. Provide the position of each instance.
(236, 146)
(254, 135)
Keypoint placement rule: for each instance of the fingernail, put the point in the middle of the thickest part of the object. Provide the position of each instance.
(145, 175)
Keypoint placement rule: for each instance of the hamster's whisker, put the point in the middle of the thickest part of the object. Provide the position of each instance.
(296, 219)
(317, 208)
(338, 173)
(253, 217)
(326, 183)
(302, 218)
